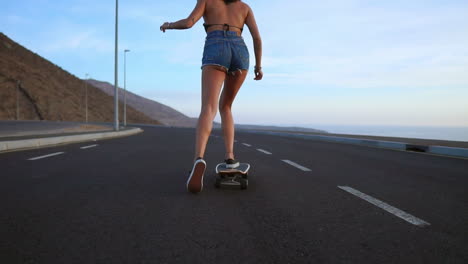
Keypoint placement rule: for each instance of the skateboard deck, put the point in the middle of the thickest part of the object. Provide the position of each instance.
(237, 177)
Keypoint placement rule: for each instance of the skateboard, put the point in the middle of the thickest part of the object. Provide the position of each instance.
(237, 177)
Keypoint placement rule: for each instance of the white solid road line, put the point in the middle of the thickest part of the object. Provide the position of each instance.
(46, 156)
(247, 145)
(296, 165)
(90, 146)
(395, 211)
(264, 151)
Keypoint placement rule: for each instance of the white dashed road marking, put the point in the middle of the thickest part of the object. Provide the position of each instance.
(46, 156)
(264, 151)
(296, 165)
(247, 145)
(90, 146)
(395, 211)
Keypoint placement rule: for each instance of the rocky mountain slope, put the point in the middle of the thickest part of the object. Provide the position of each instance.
(44, 91)
(152, 109)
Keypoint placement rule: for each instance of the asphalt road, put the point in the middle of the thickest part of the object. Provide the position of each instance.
(124, 201)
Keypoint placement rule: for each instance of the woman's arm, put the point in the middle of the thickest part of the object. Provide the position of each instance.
(188, 22)
(257, 41)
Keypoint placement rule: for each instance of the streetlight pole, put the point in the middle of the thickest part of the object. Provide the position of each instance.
(86, 97)
(125, 86)
(116, 91)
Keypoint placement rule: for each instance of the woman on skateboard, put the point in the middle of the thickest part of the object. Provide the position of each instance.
(225, 61)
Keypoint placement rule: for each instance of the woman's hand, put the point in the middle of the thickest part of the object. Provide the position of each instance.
(165, 26)
(258, 74)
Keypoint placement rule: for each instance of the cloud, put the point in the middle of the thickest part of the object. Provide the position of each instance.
(185, 53)
(16, 20)
(357, 45)
(76, 40)
(399, 67)
(143, 14)
(178, 100)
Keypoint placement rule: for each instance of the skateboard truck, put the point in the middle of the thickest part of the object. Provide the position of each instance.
(232, 178)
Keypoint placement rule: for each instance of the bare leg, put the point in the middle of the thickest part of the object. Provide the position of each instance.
(232, 84)
(212, 80)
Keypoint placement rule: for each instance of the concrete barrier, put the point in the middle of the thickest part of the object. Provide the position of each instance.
(13, 145)
(439, 150)
(459, 152)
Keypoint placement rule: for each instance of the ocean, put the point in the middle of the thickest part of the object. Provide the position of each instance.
(425, 132)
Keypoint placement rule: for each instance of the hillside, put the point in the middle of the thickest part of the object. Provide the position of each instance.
(47, 92)
(172, 117)
(150, 108)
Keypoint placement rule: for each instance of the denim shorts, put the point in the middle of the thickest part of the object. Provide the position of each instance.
(226, 49)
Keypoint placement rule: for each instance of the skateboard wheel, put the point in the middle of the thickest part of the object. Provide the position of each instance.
(243, 184)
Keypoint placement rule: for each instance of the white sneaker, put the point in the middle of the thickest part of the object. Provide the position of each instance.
(195, 180)
(231, 164)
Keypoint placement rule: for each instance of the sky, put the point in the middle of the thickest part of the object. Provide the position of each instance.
(334, 62)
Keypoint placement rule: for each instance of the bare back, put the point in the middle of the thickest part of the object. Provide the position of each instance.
(218, 12)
